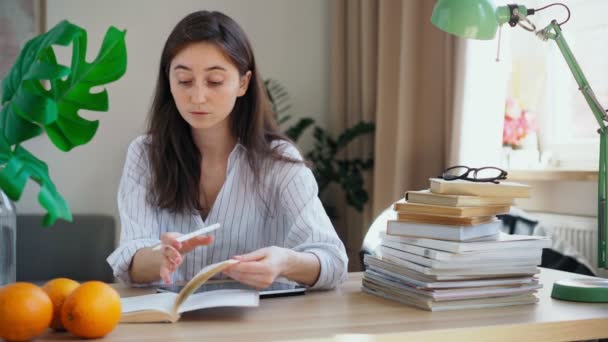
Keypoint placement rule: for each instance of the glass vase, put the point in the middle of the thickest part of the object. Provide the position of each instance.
(8, 241)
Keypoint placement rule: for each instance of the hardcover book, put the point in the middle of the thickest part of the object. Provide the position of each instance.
(462, 187)
(427, 209)
(434, 231)
(443, 220)
(428, 197)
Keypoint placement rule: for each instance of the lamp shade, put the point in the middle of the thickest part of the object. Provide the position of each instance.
(466, 18)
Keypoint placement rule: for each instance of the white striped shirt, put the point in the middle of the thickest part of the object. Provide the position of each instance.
(291, 216)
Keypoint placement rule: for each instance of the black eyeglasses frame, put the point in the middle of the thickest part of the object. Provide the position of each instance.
(465, 176)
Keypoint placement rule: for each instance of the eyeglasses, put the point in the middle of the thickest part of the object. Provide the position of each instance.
(488, 174)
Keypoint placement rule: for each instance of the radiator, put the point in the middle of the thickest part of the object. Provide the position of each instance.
(574, 236)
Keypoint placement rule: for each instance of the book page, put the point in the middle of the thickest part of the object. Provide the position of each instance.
(499, 241)
(422, 284)
(463, 264)
(216, 298)
(157, 302)
(200, 278)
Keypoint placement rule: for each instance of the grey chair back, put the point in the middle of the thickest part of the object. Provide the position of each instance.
(75, 250)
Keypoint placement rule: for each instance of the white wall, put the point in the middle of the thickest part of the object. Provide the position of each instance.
(480, 88)
(290, 39)
(477, 138)
(565, 197)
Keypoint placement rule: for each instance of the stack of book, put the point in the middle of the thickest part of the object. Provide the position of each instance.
(445, 250)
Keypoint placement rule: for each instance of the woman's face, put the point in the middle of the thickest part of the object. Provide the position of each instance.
(205, 85)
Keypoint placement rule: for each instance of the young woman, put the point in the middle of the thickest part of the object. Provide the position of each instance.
(213, 153)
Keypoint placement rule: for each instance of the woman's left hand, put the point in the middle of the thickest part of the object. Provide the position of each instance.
(261, 267)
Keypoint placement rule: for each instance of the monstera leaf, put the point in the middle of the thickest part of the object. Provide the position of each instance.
(40, 95)
(19, 165)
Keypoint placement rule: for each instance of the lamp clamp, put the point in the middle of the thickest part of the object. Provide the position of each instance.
(543, 34)
(514, 12)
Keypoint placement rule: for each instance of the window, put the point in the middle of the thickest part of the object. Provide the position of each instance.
(541, 82)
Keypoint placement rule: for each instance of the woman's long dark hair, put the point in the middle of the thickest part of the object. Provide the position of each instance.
(174, 158)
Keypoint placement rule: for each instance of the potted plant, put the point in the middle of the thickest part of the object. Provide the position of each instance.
(327, 165)
(39, 95)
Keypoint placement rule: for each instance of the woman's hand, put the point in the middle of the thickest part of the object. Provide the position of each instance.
(261, 267)
(173, 252)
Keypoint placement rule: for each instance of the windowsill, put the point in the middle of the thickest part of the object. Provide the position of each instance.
(553, 175)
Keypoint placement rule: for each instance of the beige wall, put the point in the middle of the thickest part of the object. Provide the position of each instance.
(290, 38)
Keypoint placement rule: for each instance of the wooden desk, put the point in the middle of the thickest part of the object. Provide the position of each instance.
(347, 310)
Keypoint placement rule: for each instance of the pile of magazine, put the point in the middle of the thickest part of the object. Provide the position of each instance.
(445, 250)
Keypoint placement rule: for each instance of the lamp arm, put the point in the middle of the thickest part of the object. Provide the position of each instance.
(553, 31)
(602, 209)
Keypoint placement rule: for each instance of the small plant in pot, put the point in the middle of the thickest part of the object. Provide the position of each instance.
(326, 163)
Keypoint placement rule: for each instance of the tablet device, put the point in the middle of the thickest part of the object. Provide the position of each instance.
(275, 290)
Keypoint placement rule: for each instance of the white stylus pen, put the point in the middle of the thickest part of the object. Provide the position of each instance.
(192, 234)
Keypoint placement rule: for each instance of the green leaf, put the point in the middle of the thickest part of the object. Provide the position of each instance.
(5, 150)
(353, 132)
(348, 173)
(32, 107)
(284, 119)
(294, 132)
(21, 166)
(278, 96)
(14, 128)
(326, 144)
(29, 108)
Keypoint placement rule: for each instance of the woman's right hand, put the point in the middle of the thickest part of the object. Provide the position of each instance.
(173, 252)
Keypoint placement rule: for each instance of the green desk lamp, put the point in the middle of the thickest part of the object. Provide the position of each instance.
(479, 19)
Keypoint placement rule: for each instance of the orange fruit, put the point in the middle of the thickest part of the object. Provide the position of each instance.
(58, 289)
(92, 310)
(25, 311)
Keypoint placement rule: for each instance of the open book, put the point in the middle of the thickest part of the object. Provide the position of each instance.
(168, 307)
